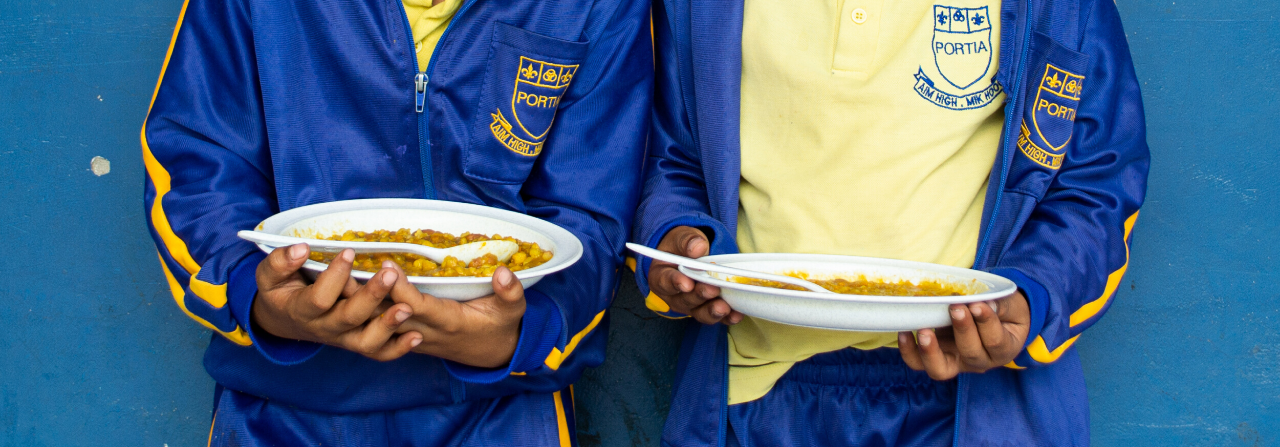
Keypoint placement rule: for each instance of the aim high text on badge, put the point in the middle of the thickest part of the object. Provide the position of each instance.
(962, 53)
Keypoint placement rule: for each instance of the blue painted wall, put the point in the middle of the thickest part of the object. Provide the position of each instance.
(1189, 354)
(94, 352)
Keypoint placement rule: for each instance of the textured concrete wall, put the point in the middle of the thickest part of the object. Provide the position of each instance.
(93, 350)
(1190, 352)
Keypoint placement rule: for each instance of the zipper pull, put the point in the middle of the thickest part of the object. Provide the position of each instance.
(420, 86)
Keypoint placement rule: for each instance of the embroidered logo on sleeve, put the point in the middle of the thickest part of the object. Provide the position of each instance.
(962, 53)
(1051, 160)
(1055, 106)
(538, 88)
(1053, 116)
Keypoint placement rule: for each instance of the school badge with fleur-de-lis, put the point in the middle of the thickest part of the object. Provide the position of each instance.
(962, 54)
(1055, 106)
(538, 88)
(962, 44)
(1053, 116)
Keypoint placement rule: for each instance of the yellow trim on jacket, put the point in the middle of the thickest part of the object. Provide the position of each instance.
(215, 295)
(562, 422)
(238, 336)
(1091, 309)
(1039, 350)
(556, 357)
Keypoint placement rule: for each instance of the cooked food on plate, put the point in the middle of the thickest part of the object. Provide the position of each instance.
(529, 255)
(863, 286)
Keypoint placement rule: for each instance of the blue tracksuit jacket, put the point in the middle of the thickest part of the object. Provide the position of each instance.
(264, 106)
(1064, 194)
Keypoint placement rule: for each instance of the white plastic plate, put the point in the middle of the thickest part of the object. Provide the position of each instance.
(326, 219)
(849, 312)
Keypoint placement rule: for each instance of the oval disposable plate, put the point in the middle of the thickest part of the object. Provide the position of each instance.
(325, 219)
(849, 312)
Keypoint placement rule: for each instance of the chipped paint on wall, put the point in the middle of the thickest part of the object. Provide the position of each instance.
(100, 166)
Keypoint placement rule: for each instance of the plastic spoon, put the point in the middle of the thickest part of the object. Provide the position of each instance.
(709, 267)
(464, 253)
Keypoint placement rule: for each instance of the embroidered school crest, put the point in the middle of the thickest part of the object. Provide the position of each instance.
(962, 54)
(1055, 107)
(961, 44)
(538, 88)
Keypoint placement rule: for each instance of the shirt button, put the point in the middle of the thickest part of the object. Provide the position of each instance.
(859, 15)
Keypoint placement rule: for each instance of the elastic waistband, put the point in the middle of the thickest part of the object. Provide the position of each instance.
(851, 367)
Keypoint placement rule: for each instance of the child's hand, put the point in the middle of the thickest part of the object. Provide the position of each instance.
(286, 306)
(482, 332)
(685, 295)
(977, 340)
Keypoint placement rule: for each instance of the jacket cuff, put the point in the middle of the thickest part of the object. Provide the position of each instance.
(1037, 299)
(708, 226)
(242, 288)
(718, 245)
(540, 329)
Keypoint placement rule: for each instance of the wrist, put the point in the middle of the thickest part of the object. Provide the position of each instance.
(537, 333)
(492, 350)
(1035, 294)
(265, 327)
(267, 322)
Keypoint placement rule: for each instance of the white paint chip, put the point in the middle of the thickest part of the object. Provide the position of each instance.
(100, 166)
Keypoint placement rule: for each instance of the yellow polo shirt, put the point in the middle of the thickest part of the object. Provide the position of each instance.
(868, 128)
(428, 24)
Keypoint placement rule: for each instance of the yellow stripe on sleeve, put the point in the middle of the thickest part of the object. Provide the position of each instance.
(238, 336)
(556, 358)
(1092, 308)
(1039, 350)
(213, 294)
(656, 304)
(652, 301)
(1041, 353)
(159, 176)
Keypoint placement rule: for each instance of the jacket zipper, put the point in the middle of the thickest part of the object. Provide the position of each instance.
(1006, 155)
(420, 87)
(420, 102)
(1006, 151)
(420, 82)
